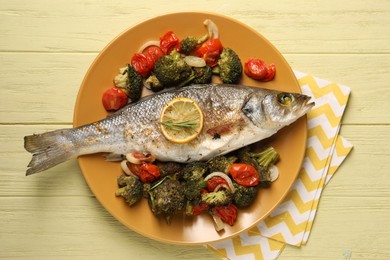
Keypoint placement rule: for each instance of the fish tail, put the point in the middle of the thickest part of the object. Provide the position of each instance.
(48, 149)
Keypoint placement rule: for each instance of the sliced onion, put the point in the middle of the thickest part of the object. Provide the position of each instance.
(149, 158)
(218, 223)
(212, 29)
(194, 61)
(222, 186)
(222, 175)
(131, 158)
(274, 173)
(126, 169)
(147, 44)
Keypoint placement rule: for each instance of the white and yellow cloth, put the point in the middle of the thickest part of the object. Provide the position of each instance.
(291, 222)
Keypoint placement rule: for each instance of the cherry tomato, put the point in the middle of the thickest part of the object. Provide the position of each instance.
(210, 51)
(152, 53)
(244, 174)
(196, 210)
(257, 69)
(141, 64)
(169, 42)
(114, 99)
(149, 172)
(214, 182)
(228, 213)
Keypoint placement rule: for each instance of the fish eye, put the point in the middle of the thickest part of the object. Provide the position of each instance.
(285, 99)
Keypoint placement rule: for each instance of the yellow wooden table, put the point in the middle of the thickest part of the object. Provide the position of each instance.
(46, 48)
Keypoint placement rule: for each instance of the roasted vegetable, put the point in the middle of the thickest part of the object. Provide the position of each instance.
(229, 67)
(129, 81)
(221, 163)
(189, 44)
(244, 196)
(152, 83)
(131, 189)
(217, 198)
(202, 75)
(172, 70)
(166, 198)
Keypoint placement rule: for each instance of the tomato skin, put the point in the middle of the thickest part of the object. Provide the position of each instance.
(169, 42)
(257, 69)
(228, 213)
(149, 172)
(214, 182)
(114, 99)
(244, 174)
(141, 64)
(152, 54)
(210, 51)
(196, 210)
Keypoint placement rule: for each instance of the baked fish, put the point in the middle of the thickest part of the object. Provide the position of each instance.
(234, 116)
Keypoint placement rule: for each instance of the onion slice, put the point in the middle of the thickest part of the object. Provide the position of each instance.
(194, 61)
(222, 175)
(274, 173)
(126, 169)
(148, 44)
(212, 29)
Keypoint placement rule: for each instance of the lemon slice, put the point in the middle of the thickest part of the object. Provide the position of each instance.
(181, 120)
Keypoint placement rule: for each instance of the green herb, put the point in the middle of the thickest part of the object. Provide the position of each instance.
(177, 126)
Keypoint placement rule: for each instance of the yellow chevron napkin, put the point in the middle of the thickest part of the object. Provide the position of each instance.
(291, 222)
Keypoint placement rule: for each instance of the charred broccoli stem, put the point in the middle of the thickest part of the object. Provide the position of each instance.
(131, 189)
(130, 82)
(189, 44)
(152, 83)
(221, 163)
(229, 67)
(172, 70)
(244, 196)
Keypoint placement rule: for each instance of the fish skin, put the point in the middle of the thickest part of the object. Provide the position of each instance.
(234, 116)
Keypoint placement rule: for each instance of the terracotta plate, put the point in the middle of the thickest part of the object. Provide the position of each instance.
(101, 175)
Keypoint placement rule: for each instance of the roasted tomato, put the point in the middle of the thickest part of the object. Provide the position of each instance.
(210, 51)
(169, 42)
(228, 213)
(114, 99)
(244, 174)
(257, 69)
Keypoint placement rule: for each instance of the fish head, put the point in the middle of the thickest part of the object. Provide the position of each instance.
(276, 109)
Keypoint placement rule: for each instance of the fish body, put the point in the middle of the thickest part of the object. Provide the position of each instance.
(234, 116)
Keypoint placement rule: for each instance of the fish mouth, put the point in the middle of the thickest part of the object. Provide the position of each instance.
(307, 104)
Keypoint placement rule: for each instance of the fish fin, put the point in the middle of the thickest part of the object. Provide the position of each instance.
(114, 157)
(47, 150)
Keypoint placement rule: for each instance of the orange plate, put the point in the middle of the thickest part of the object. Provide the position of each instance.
(101, 175)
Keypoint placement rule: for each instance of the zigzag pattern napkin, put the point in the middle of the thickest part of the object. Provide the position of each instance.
(291, 222)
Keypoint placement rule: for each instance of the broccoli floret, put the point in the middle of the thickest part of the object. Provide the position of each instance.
(202, 75)
(221, 163)
(130, 82)
(166, 198)
(193, 189)
(229, 67)
(172, 70)
(217, 198)
(190, 43)
(261, 161)
(266, 158)
(152, 83)
(169, 168)
(132, 191)
(244, 196)
(194, 171)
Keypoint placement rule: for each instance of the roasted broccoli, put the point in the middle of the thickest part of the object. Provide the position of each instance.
(192, 174)
(130, 82)
(217, 198)
(229, 67)
(202, 75)
(172, 70)
(131, 189)
(169, 168)
(261, 161)
(244, 196)
(221, 163)
(189, 44)
(152, 83)
(166, 198)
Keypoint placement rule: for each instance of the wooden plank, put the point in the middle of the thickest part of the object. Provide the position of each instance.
(48, 84)
(308, 27)
(76, 227)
